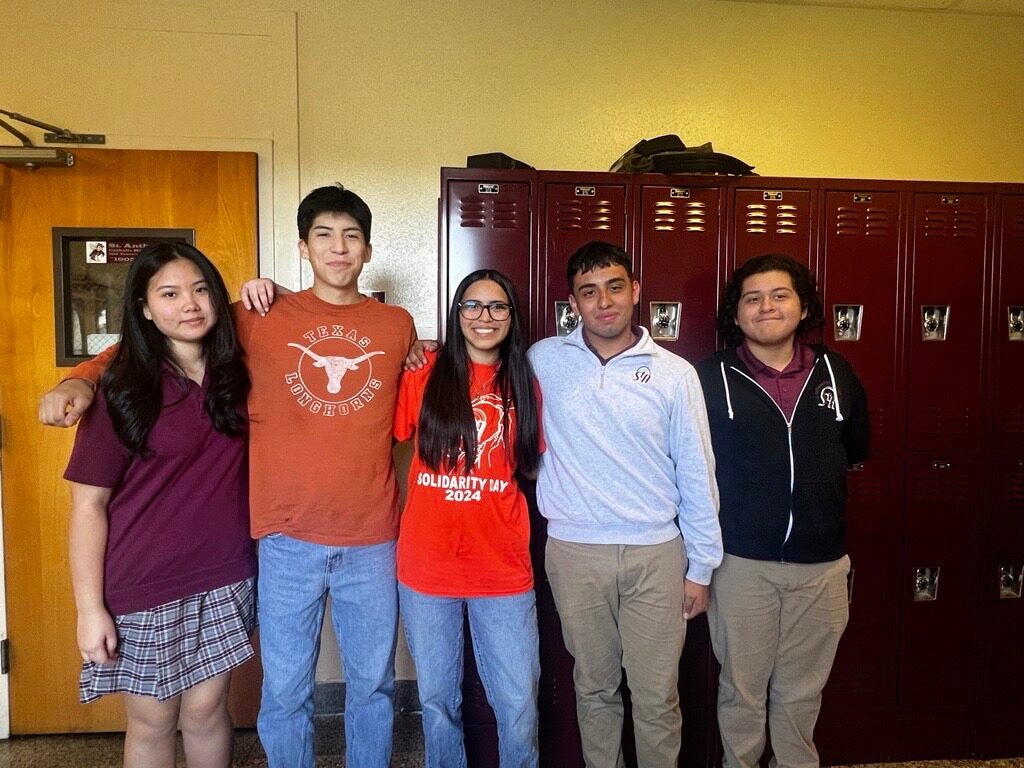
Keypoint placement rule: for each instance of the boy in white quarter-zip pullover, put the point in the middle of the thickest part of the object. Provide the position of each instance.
(787, 419)
(628, 467)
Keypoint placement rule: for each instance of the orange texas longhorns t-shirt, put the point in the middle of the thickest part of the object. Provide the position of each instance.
(324, 382)
(464, 535)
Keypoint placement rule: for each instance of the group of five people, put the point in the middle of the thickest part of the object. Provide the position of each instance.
(621, 434)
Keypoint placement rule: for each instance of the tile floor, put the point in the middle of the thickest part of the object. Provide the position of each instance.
(104, 750)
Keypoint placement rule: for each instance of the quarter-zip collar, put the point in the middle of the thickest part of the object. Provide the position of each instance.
(644, 345)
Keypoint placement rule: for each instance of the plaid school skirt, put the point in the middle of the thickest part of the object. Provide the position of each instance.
(168, 649)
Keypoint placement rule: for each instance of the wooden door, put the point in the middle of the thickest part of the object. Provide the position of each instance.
(213, 193)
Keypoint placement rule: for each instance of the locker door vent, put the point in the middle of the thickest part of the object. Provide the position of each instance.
(1016, 226)
(862, 684)
(696, 216)
(665, 216)
(593, 215)
(955, 223)
(569, 215)
(777, 218)
(863, 489)
(942, 422)
(506, 214)
(879, 420)
(945, 487)
(787, 220)
(965, 224)
(599, 215)
(1011, 420)
(937, 223)
(494, 213)
(1009, 487)
(757, 219)
(873, 222)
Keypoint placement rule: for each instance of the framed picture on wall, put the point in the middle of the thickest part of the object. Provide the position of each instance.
(89, 269)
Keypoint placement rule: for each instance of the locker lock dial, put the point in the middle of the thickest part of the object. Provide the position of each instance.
(926, 584)
(1015, 318)
(665, 320)
(934, 322)
(1011, 578)
(565, 320)
(847, 321)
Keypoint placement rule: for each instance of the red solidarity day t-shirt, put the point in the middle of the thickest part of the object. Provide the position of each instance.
(464, 535)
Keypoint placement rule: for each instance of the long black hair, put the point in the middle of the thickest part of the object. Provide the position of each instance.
(132, 383)
(447, 428)
(803, 283)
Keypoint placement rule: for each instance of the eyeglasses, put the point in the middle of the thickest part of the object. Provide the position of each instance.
(472, 310)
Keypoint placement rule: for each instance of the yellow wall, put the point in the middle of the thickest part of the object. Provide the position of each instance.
(384, 92)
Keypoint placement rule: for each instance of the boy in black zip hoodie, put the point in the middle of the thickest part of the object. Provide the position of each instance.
(787, 419)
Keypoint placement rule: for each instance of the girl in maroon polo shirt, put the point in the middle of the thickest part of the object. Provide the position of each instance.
(161, 560)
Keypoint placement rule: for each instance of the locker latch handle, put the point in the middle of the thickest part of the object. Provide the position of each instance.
(926, 584)
(665, 320)
(1015, 322)
(934, 322)
(1011, 578)
(848, 319)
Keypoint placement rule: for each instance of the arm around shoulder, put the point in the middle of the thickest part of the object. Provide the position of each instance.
(64, 405)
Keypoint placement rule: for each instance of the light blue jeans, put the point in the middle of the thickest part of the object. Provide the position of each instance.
(506, 646)
(295, 578)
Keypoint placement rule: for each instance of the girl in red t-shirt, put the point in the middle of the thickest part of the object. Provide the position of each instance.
(464, 542)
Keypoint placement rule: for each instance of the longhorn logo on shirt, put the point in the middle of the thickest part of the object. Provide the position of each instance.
(333, 374)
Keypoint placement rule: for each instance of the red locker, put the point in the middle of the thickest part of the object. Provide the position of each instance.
(857, 700)
(677, 235)
(938, 641)
(1000, 594)
(944, 321)
(487, 223)
(773, 216)
(1007, 328)
(578, 208)
(861, 285)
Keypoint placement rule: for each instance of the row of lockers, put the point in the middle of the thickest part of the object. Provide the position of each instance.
(924, 293)
(928, 277)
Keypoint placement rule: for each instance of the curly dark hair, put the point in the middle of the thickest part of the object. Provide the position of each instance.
(803, 283)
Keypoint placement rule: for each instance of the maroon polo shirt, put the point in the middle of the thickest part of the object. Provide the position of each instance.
(178, 517)
(783, 386)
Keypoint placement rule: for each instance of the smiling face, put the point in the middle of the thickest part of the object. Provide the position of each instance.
(603, 300)
(484, 334)
(178, 303)
(769, 310)
(337, 250)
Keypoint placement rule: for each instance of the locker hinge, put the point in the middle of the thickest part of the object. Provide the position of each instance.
(5, 662)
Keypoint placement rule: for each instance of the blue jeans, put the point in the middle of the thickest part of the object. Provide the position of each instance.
(295, 578)
(505, 642)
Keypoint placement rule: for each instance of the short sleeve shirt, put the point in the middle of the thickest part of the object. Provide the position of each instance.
(464, 535)
(179, 516)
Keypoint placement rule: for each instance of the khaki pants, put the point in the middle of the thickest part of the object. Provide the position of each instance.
(775, 628)
(621, 606)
